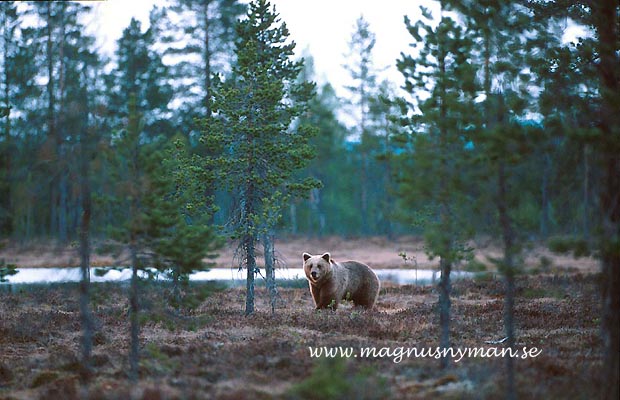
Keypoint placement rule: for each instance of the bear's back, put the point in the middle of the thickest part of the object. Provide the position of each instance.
(361, 281)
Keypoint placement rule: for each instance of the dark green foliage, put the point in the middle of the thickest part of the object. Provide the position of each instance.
(335, 378)
(569, 244)
(255, 149)
(200, 47)
(166, 215)
(7, 270)
(438, 156)
(178, 218)
(142, 72)
(9, 21)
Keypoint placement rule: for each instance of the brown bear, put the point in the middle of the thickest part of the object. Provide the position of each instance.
(331, 282)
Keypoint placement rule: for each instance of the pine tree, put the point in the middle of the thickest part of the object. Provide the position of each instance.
(504, 141)
(141, 71)
(163, 225)
(66, 50)
(597, 56)
(364, 76)
(256, 148)
(197, 50)
(329, 209)
(71, 67)
(9, 22)
(385, 118)
(433, 184)
(26, 126)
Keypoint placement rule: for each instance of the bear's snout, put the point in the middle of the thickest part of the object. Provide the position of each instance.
(314, 274)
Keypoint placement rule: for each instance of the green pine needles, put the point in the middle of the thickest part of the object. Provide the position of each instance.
(254, 143)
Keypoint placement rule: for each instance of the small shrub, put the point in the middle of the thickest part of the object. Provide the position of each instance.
(43, 378)
(569, 244)
(7, 270)
(155, 362)
(539, 293)
(332, 378)
(545, 263)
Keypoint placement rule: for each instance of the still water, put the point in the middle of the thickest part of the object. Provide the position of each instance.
(56, 275)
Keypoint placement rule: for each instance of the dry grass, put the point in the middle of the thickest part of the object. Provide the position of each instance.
(214, 351)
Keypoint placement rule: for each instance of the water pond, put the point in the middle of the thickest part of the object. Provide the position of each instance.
(58, 275)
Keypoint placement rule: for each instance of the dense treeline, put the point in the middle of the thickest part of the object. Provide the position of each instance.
(58, 90)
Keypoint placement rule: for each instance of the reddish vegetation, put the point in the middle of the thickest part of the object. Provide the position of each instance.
(212, 351)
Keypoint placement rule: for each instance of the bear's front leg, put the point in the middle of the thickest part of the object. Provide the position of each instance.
(327, 300)
(316, 295)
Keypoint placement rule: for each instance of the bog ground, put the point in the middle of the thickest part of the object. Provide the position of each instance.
(211, 350)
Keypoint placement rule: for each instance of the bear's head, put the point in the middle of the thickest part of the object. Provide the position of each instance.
(317, 267)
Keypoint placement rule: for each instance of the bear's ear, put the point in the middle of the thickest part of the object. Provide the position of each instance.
(306, 256)
(327, 257)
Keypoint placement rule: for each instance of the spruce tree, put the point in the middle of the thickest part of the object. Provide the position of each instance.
(177, 222)
(255, 147)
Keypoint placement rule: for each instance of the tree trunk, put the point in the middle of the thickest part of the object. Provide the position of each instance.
(207, 60)
(85, 315)
(508, 270)
(134, 352)
(606, 22)
(61, 157)
(544, 194)
(364, 191)
(176, 291)
(444, 308)
(586, 193)
(6, 225)
(63, 194)
(445, 262)
(249, 252)
(387, 178)
(270, 269)
(293, 216)
(51, 109)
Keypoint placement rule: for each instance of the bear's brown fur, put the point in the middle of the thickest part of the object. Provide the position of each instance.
(331, 282)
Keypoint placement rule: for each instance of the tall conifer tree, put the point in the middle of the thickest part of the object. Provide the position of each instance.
(256, 150)
(434, 185)
(364, 87)
(199, 49)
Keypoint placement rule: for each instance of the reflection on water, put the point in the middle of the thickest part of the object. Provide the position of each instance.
(54, 275)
